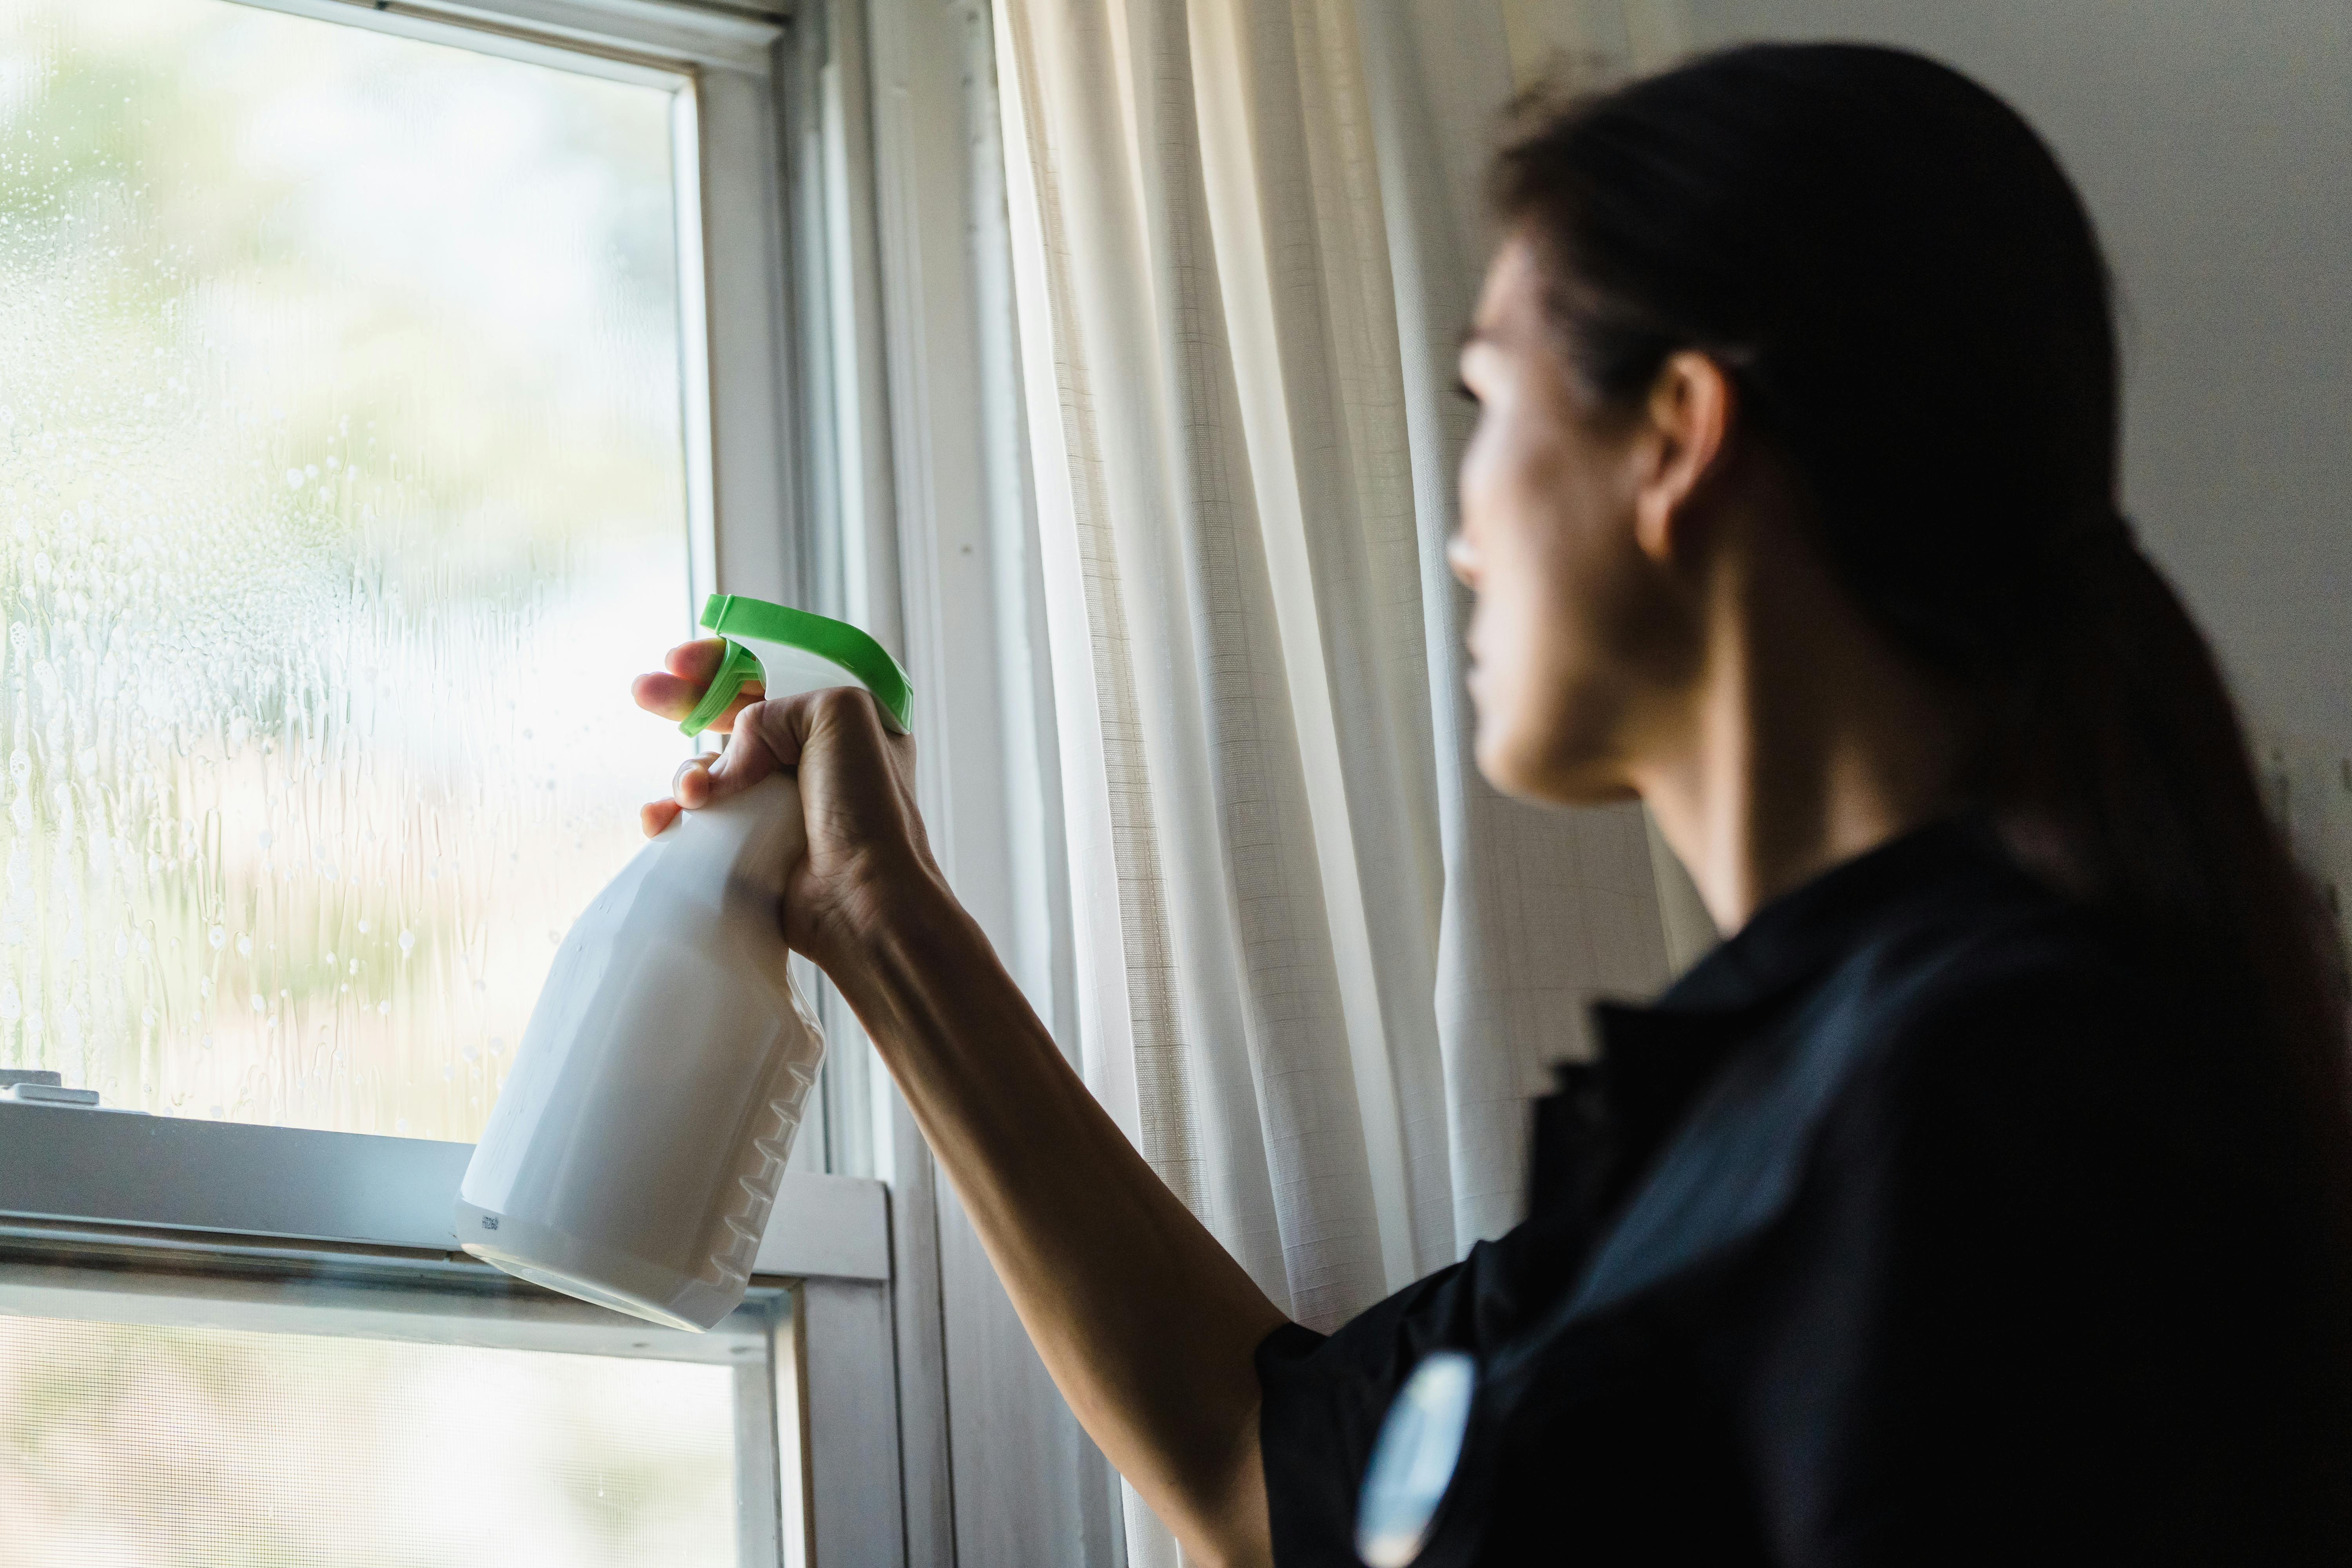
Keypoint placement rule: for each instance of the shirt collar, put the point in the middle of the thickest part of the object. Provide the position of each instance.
(1654, 1059)
(1796, 936)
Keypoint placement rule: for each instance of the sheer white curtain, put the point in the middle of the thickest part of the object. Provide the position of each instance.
(1321, 965)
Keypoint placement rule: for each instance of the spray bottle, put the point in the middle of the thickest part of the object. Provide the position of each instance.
(632, 1157)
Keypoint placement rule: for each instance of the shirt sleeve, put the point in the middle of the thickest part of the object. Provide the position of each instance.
(1325, 1398)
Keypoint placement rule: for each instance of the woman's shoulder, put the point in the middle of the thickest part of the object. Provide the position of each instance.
(2049, 1086)
(2030, 1030)
(2030, 994)
(1959, 1026)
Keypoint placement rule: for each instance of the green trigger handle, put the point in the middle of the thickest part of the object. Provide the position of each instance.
(739, 665)
(813, 652)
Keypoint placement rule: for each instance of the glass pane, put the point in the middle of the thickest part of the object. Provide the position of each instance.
(342, 489)
(148, 1445)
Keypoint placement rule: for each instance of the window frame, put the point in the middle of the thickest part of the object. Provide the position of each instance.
(159, 1220)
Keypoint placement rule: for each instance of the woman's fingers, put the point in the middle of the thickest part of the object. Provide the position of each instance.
(690, 785)
(666, 695)
(698, 661)
(673, 698)
(861, 788)
(673, 693)
(701, 780)
(747, 759)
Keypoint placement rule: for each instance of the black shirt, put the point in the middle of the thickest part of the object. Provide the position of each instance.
(1927, 1220)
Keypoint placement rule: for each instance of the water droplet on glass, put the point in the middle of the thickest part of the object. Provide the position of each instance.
(218, 937)
(244, 947)
(407, 941)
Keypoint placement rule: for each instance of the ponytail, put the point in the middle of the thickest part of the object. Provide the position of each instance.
(2122, 776)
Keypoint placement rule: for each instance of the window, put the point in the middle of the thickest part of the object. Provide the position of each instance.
(148, 1444)
(344, 469)
(381, 386)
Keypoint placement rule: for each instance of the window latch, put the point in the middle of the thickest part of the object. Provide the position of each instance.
(25, 1086)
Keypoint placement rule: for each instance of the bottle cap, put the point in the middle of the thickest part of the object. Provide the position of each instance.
(791, 651)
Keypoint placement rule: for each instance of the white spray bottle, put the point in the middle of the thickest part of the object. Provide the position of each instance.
(635, 1150)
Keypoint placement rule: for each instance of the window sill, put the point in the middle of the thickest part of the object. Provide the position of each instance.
(226, 1188)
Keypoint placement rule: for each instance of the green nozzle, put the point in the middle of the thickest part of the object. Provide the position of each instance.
(791, 651)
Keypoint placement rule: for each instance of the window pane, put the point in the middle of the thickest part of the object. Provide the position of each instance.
(342, 489)
(136, 1446)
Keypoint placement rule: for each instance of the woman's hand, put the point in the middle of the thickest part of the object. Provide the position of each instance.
(867, 856)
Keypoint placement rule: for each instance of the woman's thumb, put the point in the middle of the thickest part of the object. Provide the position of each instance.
(745, 760)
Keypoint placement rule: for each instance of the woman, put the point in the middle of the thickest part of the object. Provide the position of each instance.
(1984, 1197)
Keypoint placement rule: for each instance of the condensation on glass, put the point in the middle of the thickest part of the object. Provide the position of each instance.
(342, 489)
(137, 1445)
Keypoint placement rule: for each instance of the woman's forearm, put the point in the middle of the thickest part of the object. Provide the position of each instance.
(1147, 1324)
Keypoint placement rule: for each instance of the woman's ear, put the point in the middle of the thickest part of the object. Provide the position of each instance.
(1689, 426)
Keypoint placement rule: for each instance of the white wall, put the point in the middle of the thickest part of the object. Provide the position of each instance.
(2213, 141)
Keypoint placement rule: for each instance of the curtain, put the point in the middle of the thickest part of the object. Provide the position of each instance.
(1321, 965)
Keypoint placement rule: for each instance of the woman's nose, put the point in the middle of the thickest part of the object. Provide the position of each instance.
(1463, 560)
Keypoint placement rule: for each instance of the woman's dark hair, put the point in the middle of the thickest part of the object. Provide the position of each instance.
(1908, 294)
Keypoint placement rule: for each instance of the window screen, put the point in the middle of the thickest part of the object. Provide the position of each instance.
(341, 488)
(133, 1446)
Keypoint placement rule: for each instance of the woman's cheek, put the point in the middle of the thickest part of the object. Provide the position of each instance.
(1482, 481)
(1499, 680)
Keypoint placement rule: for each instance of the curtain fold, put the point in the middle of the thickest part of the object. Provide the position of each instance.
(1322, 966)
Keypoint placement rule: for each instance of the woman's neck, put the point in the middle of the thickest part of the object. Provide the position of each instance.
(1804, 741)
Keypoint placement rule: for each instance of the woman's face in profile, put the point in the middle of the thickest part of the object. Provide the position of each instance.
(1570, 610)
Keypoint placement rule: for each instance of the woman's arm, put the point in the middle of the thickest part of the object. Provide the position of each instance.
(1146, 1323)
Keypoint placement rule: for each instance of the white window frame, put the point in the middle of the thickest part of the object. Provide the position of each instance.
(133, 1218)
